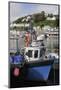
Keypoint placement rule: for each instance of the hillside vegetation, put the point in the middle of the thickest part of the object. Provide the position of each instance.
(40, 19)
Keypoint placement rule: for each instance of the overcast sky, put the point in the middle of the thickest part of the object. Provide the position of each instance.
(21, 9)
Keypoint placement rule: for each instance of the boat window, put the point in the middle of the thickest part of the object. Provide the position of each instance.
(36, 54)
(29, 53)
(40, 52)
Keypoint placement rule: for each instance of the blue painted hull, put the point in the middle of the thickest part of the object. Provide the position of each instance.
(39, 71)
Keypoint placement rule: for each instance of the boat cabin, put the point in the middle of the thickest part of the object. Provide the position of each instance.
(35, 52)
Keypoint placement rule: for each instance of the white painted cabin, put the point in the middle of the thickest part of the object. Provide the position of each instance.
(34, 52)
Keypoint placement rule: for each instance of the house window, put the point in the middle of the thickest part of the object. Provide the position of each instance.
(36, 54)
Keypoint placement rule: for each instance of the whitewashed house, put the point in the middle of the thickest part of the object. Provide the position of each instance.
(51, 18)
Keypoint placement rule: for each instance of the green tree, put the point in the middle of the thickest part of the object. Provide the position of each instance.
(43, 16)
(39, 17)
(41, 26)
(57, 22)
(50, 15)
